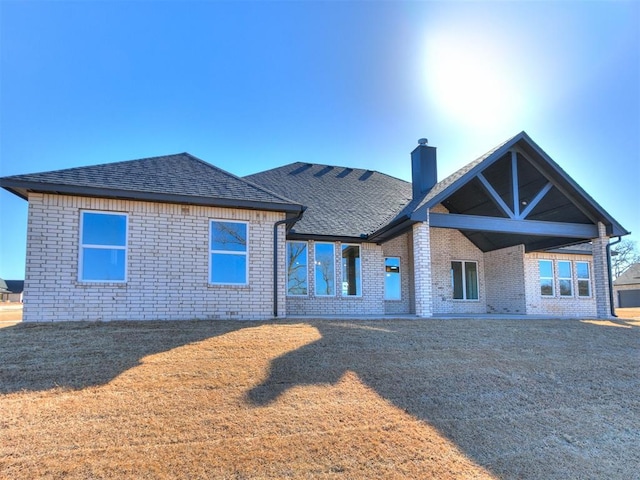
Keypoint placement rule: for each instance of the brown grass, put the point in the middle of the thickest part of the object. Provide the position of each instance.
(321, 399)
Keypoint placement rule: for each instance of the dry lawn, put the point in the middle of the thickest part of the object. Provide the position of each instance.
(322, 399)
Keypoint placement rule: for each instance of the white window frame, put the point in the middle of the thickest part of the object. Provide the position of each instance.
(464, 281)
(578, 279)
(386, 297)
(315, 264)
(82, 246)
(552, 277)
(359, 270)
(569, 278)
(226, 252)
(306, 255)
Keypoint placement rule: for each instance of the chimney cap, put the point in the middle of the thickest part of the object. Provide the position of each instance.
(422, 141)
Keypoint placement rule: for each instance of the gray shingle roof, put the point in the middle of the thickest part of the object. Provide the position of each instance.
(180, 178)
(345, 202)
(631, 276)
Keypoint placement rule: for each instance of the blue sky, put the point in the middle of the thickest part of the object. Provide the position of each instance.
(254, 85)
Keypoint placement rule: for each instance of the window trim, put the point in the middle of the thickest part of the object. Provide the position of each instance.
(569, 278)
(578, 279)
(82, 246)
(394, 299)
(315, 264)
(306, 270)
(464, 281)
(226, 252)
(358, 272)
(552, 277)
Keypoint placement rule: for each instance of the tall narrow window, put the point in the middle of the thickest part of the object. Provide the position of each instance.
(464, 280)
(545, 268)
(392, 283)
(584, 279)
(351, 271)
(565, 280)
(325, 269)
(297, 268)
(103, 247)
(228, 263)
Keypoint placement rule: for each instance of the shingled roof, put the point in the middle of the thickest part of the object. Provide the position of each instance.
(341, 202)
(179, 178)
(631, 276)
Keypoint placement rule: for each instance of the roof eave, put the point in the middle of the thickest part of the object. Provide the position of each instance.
(22, 188)
(614, 229)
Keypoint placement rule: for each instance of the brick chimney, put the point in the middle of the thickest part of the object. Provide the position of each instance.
(424, 168)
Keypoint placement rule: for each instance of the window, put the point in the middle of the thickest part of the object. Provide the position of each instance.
(325, 269)
(565, 280)
(546, 277)
(103, 247)
(297, 268)
(584, 280)
(464, 279)
(351, 271)
(392, 285)
(228, 253)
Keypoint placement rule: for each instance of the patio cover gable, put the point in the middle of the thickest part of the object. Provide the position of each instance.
(515, 194)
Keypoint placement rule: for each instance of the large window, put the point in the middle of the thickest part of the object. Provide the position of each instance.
(392, 284)
(297, 268)
(546, 278)
(103, 247)
(351, 271)
(565, 280)
(228, 252)
(584, 279)
(325, 276)
(464, 279)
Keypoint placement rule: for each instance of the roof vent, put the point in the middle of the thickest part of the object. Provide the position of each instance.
(423, 141)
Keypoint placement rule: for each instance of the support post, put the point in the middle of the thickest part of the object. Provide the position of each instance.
(422, 269)
(601, 273)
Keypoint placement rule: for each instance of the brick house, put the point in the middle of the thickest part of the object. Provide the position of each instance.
(626, 288)
(510, 233)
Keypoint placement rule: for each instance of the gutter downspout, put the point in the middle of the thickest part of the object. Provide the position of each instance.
(613, 308)
(286, 221)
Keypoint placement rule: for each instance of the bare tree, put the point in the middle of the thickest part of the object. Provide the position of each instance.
(623, 255)
(296, 269)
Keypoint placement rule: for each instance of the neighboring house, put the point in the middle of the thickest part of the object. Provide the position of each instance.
(627, 287)
(176, 238)
(11, 290)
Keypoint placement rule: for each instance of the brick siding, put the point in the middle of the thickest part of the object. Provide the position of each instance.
(168, 264)
(370, 303)
(573, 306)
(448, 245)
(401, 247)
(505, 286)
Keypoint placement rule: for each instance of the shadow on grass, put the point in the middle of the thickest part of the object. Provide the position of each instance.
(524, 399)
(75, 355)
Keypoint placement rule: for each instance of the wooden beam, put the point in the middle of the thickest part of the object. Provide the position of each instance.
(514, 179)
(495, 197)
(512, 226)
(536, 200)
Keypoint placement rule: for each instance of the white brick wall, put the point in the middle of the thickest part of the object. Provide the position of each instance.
(401, 247)
(168, 264)
(370, 303)
(504, 275)
(562, 306)
(448, 245)
(423, 269)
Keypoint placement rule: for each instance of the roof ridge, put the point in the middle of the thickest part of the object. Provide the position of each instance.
(120, 162)
(249, 182)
